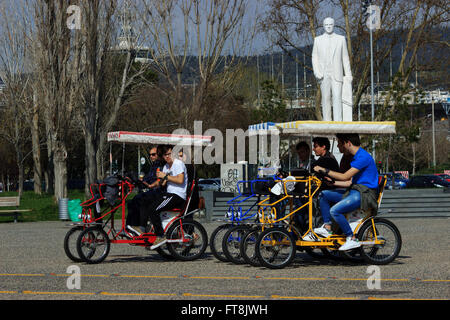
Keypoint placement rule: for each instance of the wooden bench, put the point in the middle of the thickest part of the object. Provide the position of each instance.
(11, 202)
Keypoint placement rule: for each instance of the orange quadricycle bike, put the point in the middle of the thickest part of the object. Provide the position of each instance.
(279, 238)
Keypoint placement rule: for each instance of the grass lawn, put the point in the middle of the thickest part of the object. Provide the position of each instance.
(44, 207)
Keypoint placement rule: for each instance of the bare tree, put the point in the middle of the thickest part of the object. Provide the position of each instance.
(207, 31)
(108, 72)
(54, 57)
(20, 115)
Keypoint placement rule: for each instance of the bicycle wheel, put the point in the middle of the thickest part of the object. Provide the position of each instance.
(231, 241)
(275, 248)
(215, 242)
(93, 245)
(385, 231)
(194, 243)
(247, 247)
(70, 243)
(163, 251)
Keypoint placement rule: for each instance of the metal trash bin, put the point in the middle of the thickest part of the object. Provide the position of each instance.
(63, 212)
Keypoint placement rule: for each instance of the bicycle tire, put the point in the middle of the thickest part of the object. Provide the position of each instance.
(247, 246)
(216, 246)
(375, 254)
(268, 253)
(191, 230)
(73, 233)
(89, 239)
(231, 240)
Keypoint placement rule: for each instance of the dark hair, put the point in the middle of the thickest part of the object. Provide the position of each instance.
(352, 137)
(321, 141)
(302, 144)
(162, 149)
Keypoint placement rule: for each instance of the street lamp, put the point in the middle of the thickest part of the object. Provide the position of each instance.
(369, 11)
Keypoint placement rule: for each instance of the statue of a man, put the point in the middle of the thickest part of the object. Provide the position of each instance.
(330, 63)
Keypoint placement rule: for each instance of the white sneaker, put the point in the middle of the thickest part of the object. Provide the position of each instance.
(350, 244)
(323, 232)
(310, 237)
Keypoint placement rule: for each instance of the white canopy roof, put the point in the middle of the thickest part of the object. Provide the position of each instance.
(333, 127)
(158, 138)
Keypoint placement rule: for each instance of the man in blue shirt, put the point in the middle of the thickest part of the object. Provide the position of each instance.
(363, 171)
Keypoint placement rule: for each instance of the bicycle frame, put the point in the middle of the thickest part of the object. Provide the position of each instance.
(115, 236)
(331, 242)
(241, 217)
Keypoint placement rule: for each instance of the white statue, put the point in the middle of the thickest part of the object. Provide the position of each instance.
(330, 63)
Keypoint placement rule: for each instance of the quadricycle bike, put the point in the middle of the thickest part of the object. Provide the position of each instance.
(280, 237)
(90, 240)
(241, 215)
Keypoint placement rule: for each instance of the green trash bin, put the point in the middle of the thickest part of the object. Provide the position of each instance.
(75, 209)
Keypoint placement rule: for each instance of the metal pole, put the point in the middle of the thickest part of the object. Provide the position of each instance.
(372, 87)
(110, 159)
(434, 141)
(139, 160)
(123, 158)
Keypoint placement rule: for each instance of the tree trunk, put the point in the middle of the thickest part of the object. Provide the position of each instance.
(91, 161)
(37, 168)
(60, 170)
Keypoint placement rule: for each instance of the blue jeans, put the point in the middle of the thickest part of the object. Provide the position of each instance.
(340, 207)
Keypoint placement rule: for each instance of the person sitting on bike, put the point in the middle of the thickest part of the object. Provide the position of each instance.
(321, 148)
(362, 182)
(174, 176)
(150, 181)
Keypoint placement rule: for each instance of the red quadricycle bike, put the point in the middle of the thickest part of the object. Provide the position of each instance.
(90, 240)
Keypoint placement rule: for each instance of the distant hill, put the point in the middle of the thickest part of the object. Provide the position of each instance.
(427, 77)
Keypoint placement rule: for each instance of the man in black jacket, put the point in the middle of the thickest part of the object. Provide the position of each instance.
(321, 148)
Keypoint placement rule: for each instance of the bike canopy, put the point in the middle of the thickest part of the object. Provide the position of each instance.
(158, 138)
(304, 128)
(326, 128)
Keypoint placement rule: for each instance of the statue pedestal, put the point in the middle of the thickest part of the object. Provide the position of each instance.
(335, 151)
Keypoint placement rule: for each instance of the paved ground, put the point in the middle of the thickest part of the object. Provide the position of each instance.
(33, 266)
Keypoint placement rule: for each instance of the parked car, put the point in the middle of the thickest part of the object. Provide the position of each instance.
(444, 176)
(209, 184)
(428, 181)
(400, 181)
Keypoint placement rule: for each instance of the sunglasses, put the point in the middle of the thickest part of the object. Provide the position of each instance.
(153, 154)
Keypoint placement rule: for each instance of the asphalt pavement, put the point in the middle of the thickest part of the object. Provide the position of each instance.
(33, 266)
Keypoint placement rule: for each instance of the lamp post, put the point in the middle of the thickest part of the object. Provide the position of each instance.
(433, 133)
(368, 11)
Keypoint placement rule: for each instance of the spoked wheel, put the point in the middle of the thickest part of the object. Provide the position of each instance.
(247, 247)
(194, 243)
(231, 243)
(70, 243)
(93, 245)
(382, 230)
(215, 242)
(275, 248)
(163, 250)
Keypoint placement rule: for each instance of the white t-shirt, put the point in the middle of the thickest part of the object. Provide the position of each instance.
(177, 168)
